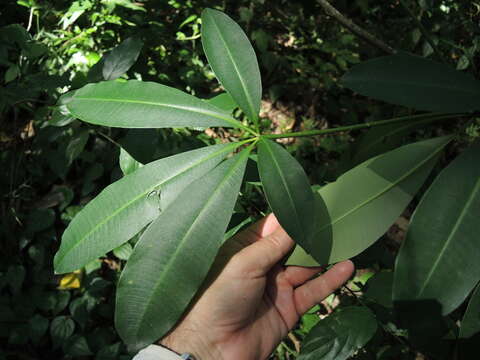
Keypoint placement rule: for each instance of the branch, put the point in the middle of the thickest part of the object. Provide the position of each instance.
(354, 28)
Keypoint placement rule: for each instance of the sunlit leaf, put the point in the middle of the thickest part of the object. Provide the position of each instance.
(233, 60)
(125, 207)
(136, 104)
(288, 191)
(358, 208)
(173, 256)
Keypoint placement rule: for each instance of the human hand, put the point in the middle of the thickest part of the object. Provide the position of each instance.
(252, 301)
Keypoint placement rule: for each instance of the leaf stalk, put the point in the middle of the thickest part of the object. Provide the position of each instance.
(433, 117)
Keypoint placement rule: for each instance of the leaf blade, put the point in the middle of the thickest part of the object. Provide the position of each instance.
(233, 60)
(123, 208)
(451, 227)
(413, 81)
(339, 335)
(161, 277)
(288, 190)
(354, 211)
(115, 104)
(121, 58)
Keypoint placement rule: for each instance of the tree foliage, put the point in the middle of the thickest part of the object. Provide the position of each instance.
(119, 122)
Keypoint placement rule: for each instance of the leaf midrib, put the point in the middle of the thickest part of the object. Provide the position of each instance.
(174, 256)
(392, 185)
(454, 230)
(143, 194)
(284, 182)
(197, 110)
(230, 55)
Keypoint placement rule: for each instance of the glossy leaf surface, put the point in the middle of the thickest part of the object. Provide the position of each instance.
(125, 207)
(339, 335)
(174, 255)
(137, 104)
(288, 191)
(441, 246)
(233, 60)
(121, 58)
(358, 208)
(416, 82)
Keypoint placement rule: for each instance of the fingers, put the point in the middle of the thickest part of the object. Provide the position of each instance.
(297, 275)
(316, 290)
(263, 254)
(257, 231)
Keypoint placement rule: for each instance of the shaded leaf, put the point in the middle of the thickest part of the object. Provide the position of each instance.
(288, 191)
(379, 288)
(339, 335)
(61, 328)
(174, 254)
(412, 81)
(471, 320)
(358, 208)
(76, 146)
(136, 104)
(127, 163)
(125, 207)
(447, 216)
(123, 252)
(121, 58)
(223, 101)
(233, 60)
(77, 346)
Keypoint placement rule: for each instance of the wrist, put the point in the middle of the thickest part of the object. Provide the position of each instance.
(192, 344)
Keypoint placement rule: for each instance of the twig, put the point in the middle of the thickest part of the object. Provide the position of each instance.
(354, 28)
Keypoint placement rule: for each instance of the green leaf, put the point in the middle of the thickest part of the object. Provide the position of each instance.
(223, 101)
(174, 255)
(381, 139)
(77, 346)
(38, 326)
(121, 58)
(125, 207)
(438, 260)
(233, 60)
(379, 288)
(123, 252)
(339, 335)
(12, 73)
(471, 320)
(136, 104)
(358, 208)
(76, 146)
(61, 328)
(413, 81)
(127, 163)
(288, 191)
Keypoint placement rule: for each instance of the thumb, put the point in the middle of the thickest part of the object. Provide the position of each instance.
(263, 254)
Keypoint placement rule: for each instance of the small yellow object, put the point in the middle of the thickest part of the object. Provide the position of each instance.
(71, 281)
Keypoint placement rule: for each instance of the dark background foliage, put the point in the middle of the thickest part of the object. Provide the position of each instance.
(52, 165)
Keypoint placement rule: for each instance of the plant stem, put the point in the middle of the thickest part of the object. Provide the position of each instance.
(432, 116)
(354, 28)
(422, 29)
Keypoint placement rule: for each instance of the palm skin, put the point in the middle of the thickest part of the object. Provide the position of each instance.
(251, 301)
